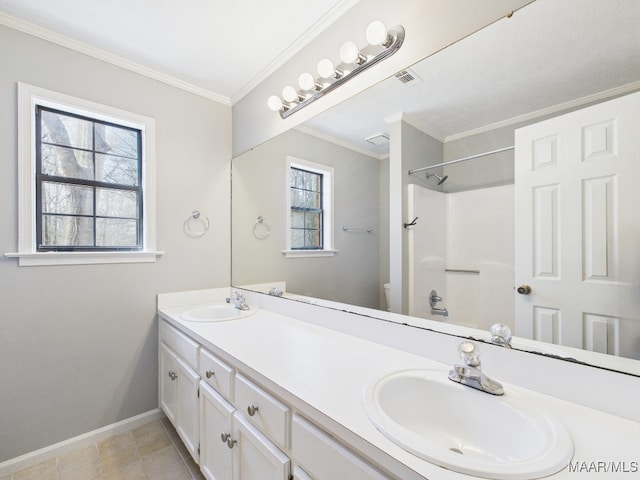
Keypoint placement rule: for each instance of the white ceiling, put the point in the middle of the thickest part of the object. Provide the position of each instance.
(549, 53)
(222, 47)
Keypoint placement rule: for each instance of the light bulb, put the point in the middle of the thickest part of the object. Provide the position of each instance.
(290, 94)
(307, 82)
(274, 103)
(377, 33)
(349, 53)
(326, 68)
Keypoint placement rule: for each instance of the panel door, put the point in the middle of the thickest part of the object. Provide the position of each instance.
(577, 233)
(168, 382)
(215, 429)
(188, 408)
(255, 457)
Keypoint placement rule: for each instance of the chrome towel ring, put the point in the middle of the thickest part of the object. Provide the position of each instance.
(196, 218)
(261, 229)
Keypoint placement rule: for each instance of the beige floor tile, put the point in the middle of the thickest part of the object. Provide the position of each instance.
(116, 442)
(147, 429)
(161, 460)
(174, 472)
(5, 477)
(131, 471)
(115, 459)
(91, 472)
(84, 458)
(152, 442)
(47, 470)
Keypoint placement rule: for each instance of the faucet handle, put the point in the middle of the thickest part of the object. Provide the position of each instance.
(469, 353)
(500, 334)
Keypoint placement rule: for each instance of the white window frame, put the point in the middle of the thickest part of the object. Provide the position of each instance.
(29, 97)
(327, 205)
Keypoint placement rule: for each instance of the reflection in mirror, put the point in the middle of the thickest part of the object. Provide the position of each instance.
(487, 225)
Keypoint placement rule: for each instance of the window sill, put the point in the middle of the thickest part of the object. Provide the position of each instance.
(31, 259)
(308, 253)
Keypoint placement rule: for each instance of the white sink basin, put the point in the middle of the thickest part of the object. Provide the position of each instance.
(216, 313)
(466, 430)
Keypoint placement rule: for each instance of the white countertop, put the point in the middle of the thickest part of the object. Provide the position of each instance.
(328, 370)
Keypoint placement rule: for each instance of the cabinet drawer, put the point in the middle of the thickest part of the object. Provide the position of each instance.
(264, 411)
(324, 458)
(182, 345)
(216, 373)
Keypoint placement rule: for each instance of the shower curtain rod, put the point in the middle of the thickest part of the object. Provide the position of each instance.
(458, 160)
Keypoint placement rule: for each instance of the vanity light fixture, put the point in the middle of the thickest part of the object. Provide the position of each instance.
(383, 43)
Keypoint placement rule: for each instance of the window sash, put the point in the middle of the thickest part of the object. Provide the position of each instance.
(92, 184)
(305, 230)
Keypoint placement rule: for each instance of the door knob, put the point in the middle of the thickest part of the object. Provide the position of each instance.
(524, 289)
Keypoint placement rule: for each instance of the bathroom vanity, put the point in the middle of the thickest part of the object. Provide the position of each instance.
(281, 390)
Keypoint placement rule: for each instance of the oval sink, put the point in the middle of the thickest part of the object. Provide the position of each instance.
(466, 430)
(216, 313)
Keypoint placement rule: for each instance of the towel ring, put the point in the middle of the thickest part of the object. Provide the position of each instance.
(202, 219)
(266, 229)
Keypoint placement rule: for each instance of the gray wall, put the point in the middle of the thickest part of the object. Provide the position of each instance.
(259, 188)
(78, 344)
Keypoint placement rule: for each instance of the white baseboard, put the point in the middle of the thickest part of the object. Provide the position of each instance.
(57, 449)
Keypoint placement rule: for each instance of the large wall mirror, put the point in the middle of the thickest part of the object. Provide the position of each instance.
(485, 127)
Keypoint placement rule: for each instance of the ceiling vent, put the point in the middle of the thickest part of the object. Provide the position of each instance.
(378, 139)
(408, 77)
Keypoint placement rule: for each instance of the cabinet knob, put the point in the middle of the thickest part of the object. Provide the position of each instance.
(173, 375)
(209, 373)
(231, 443)
(251, 410)
(224, 437)
(524, 289)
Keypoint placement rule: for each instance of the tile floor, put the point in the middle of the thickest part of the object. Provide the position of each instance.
(152, 451)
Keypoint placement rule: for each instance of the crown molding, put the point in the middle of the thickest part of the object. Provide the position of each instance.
(579, 102)
(302, 41)
(81, 47)
(338, 142)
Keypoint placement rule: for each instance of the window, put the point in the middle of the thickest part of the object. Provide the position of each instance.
(306, 209)
(86, 181)
(310, 205)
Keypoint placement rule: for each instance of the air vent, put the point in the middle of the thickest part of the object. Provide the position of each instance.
(408, 77)
(378, 139)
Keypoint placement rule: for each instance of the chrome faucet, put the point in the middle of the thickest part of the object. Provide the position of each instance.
(433, 299)
(238, 300)
(470, 374)
(275, 291)
(500, 335)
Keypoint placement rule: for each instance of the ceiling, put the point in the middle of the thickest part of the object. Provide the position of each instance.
(221, 48)
(546, 54)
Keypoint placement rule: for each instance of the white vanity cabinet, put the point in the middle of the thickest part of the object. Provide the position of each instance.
(240, 429)
(233, 449)
(178, 384)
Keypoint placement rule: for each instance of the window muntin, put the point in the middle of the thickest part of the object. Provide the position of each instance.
(307, 213)
(88, 183)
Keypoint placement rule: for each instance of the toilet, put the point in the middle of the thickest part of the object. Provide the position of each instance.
(387, 289)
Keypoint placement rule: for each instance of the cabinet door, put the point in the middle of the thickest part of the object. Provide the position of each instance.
(254, 456)
(215, 427)
(168, 379)
(188, 414)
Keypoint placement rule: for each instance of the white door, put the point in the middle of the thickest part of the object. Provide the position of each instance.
(577, 191)
(188, 410)
(215, 431)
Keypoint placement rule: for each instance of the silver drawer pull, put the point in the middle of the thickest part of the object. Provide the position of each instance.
(209, 373)
(224, 437)
(251, 410)
(231, 443)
